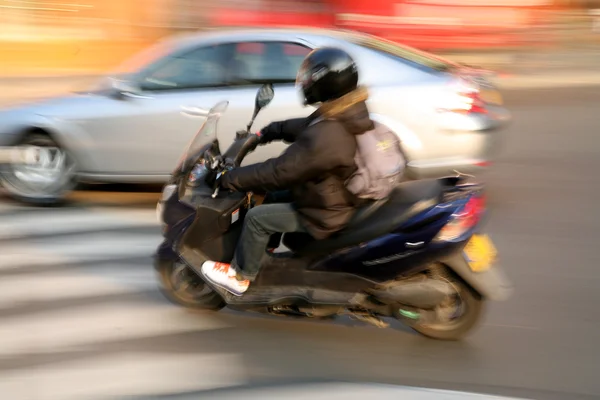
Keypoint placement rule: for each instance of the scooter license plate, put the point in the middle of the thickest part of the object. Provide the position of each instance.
(491, 97)
(480, 253)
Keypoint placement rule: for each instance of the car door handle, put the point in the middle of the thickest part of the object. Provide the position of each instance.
(194, 111)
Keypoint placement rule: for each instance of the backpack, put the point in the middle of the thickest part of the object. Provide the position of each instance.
(380, 163)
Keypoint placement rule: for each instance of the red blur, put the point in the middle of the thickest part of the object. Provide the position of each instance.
(426, 24)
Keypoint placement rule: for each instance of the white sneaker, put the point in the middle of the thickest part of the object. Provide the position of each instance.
(223, 275)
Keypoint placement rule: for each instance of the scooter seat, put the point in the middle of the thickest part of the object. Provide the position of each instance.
(374, 219)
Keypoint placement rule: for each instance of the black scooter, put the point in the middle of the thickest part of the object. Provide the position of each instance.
(415, 257)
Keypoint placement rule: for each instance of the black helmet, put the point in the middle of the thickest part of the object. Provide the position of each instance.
(326, 74)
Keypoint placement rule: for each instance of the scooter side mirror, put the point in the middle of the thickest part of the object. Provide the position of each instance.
(265, 95)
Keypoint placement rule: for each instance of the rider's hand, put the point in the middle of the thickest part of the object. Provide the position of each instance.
(222, 180)
(210, 179)
(229, 164)
(268, 131)
(254, 140)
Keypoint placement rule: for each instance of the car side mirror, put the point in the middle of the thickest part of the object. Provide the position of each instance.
(124, 89)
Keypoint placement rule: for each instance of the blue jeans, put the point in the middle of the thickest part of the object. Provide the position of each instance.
(263, 226)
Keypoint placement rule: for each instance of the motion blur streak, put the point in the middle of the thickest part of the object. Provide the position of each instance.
(76, 305)
(80, 315)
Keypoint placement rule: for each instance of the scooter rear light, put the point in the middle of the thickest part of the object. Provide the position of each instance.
(463, 220)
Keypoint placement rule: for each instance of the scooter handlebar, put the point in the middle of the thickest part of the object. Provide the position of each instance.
(250, 144)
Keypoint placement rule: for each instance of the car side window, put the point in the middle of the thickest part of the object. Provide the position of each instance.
(199, 68)
(260, 62)
(401, 53)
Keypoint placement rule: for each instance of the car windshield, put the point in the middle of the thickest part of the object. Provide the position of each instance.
(396, 50)
(206, 134)
(138, 62)
(146, 57)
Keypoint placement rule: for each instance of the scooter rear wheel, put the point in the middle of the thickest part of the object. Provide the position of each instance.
(458, 317)
(183, 287)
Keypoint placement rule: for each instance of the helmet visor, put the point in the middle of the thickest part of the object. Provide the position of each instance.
(303, 76)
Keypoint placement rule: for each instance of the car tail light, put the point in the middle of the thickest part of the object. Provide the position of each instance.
(462, 220)
(463, 97)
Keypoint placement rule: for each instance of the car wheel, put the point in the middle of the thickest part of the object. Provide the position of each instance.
(47, 180)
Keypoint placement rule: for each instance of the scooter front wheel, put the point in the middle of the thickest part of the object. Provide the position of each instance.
(182, 286)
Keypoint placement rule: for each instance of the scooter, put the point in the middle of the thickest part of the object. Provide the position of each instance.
(416, 257)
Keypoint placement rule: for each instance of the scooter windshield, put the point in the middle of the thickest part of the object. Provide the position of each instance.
(206, 134)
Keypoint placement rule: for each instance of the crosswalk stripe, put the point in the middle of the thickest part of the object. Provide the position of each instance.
(72, 317)
(336, 391)
(74, 221)
(64, 330)
(45, 287)
(124, 375)
(94, 246)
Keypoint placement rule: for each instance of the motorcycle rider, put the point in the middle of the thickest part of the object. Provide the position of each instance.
(314, 168)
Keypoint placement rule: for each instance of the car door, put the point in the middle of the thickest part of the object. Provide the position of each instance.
(145, 134)
(252, 63)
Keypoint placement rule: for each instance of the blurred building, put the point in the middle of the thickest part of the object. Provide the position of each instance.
(54, 36)
(134, 19)
(430, 24)
(83, 19)
(97, 34)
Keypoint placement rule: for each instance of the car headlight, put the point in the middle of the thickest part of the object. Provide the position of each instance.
(159, 212)
(167, 192)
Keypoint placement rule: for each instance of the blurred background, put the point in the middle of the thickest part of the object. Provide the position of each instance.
(80, 316)
(56, 36)
(72, 39)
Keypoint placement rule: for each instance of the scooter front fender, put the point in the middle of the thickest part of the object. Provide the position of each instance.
(492, 284)
(165, 252)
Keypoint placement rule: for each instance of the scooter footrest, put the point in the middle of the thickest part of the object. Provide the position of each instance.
(290, 294)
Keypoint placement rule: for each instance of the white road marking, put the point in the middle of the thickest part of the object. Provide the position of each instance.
(89, 247)
(74, 221)
(67, 329)
(44, 287)
(81, 327)
(124, 375)
(358, 391)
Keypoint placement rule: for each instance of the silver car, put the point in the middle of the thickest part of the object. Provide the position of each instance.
(133, 126)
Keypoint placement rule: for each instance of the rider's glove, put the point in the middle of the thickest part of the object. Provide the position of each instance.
(228, 164)
(254, 140)
(223, 178)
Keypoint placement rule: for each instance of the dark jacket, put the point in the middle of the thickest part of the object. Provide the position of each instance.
(315, 166)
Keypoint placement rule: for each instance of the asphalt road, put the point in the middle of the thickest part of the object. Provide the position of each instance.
(542, 343)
